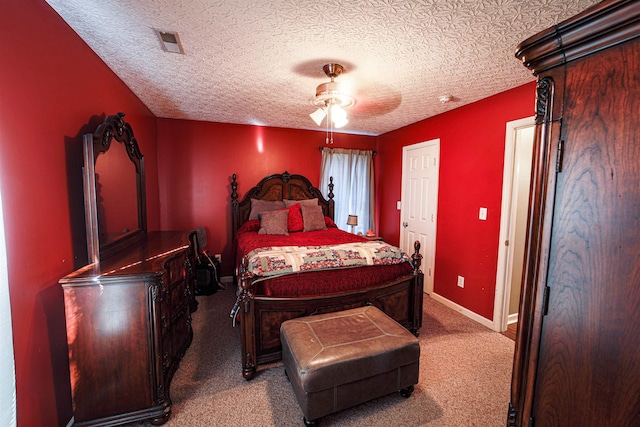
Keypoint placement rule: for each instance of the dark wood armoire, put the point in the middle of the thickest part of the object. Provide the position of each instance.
(577, 359)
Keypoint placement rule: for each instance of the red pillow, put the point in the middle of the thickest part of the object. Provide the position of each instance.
(329, 222)
(250, 225)
(294, 221)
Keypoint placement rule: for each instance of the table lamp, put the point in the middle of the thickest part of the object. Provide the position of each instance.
(352, 221)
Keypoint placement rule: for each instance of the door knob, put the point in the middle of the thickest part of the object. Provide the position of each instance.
(405, 224)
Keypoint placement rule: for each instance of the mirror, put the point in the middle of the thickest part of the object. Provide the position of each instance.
(114, 193)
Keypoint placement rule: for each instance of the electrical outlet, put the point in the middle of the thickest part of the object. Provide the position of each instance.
(218, 257)
(461, 281)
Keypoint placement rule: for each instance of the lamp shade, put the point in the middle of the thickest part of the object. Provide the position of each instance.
(352, 220)
(318, 115)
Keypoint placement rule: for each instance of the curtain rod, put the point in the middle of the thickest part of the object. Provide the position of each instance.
(373, 151)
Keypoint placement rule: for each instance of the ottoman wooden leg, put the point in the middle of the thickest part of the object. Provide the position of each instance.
(314, 423)
(407, 391)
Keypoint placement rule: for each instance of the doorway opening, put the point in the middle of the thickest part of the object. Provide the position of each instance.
(518, 155)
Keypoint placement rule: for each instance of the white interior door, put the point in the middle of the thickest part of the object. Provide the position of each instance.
(419, 204)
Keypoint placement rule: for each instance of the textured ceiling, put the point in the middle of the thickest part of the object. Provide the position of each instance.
(259, 62)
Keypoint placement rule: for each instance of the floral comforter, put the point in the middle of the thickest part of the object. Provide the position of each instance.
(273, 261)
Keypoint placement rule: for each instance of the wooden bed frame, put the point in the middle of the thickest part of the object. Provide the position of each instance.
(261, 317)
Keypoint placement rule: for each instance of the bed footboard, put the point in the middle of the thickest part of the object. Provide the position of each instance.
(261, 317)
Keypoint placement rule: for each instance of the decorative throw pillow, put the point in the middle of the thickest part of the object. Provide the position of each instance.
(258, 206)
(274, 222)
(295, 222)
(329, 222)
(251, 225)
(308, 202)
(313, 218)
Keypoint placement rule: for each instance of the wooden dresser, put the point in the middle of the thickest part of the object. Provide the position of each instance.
(128, 325)
(577, 360)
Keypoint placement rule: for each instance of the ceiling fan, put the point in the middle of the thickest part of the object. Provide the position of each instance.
(332, 100)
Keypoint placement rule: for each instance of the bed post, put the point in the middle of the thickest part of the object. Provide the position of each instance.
(247, 327)
(234, 205)
(418, 289)
(331, 213)
(416, 257)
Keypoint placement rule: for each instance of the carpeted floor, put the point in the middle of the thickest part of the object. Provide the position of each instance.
(465, 373)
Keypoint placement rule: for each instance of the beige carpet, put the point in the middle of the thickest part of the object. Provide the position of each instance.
(465, 372)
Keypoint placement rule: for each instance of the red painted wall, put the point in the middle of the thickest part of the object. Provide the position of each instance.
(53, 89)
(51, 84)
(197, 159)
(472, 142)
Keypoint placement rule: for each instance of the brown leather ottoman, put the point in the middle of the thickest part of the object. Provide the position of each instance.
(338, 360)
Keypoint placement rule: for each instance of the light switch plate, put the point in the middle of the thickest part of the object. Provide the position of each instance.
(483, 214)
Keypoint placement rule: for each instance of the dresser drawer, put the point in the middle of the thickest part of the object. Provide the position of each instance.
(178, 298)
(167, 351)
(176, 269)
(181, 333)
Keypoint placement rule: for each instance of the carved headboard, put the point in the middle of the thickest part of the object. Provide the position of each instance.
(277, 187)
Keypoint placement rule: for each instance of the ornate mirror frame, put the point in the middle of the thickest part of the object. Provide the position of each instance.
(95, 144)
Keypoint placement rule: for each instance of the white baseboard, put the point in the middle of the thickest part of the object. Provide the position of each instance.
(512, 318)
(465, 311)
(226, 279)
(71, 421)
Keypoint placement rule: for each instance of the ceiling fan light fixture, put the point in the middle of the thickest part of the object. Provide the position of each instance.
(338, 116)
(332, 99)
(318, 115)
(332, 93)
(340, 123)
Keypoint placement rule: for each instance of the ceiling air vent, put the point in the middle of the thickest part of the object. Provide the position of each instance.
(170, 41)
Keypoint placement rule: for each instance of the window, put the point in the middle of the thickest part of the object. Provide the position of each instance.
(352, 172)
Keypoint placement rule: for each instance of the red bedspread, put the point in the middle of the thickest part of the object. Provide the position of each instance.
(305, 284)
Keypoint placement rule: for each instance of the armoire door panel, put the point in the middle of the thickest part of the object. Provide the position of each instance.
(588, 365)
(577, 355)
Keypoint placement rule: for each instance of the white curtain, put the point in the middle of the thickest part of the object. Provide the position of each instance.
(353, 180)
(7, 365)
